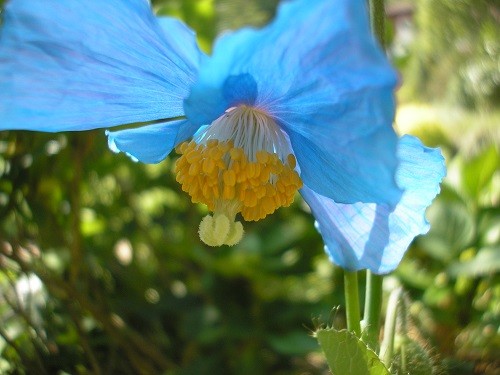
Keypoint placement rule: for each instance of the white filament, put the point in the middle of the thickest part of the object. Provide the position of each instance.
(249, 129)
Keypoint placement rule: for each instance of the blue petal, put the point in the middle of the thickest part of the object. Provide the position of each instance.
(181, 39)
(77, 65)
(366, 235)
(148, 144)
(319, 72)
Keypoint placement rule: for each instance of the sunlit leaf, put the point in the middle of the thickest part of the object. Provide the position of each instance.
(452, 230)
(478, 171)
(347, 354)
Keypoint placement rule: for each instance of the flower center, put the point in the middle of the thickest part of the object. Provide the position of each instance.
(241, 163)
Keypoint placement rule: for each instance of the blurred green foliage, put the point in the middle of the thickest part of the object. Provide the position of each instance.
(455, 56)
(452, 273)
(102, 271)
(211, 17)
(128, 286)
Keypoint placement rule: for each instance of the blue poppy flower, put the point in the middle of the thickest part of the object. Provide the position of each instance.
(305, 103)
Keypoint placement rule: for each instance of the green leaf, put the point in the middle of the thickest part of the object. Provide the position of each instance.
(347, 354)
(452, 230)
(414, 275)
(478, 172)
(489, 226)
(487, 261)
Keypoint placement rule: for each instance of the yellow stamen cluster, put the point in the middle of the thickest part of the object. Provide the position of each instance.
(221, 176)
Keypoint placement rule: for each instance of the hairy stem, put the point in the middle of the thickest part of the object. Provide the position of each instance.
(387, 346)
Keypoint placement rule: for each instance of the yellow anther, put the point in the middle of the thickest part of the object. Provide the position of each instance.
(229, 179)
(250, 199)
(280, 187)
(264, 173)
(212, 143)
(270, 190)
(208, 165)
(235, 153)
(215, 192)
(262, 157)
(257, 170)
(206, 191)
(194, 169)
(214, 153)
(251, 170)
(193, 156)
(268, 204)
(241, 196)
(260, 191)
(241, 177)
(220, 164)
(228, 192)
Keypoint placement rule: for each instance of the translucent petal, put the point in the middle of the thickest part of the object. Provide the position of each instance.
(367, 235)
(77, 65)
(319, 72)
(355, 172)
(182, 40)
(148, 144)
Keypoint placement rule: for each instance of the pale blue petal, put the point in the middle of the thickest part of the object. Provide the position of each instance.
(319, 72)
(152, 143)
(181, 39)
(148, 144)
(77, 65)
(356, 172)
(369, 236)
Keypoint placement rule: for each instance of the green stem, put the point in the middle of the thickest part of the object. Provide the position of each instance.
(377, 20)
(352, 302)
(373, 308)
